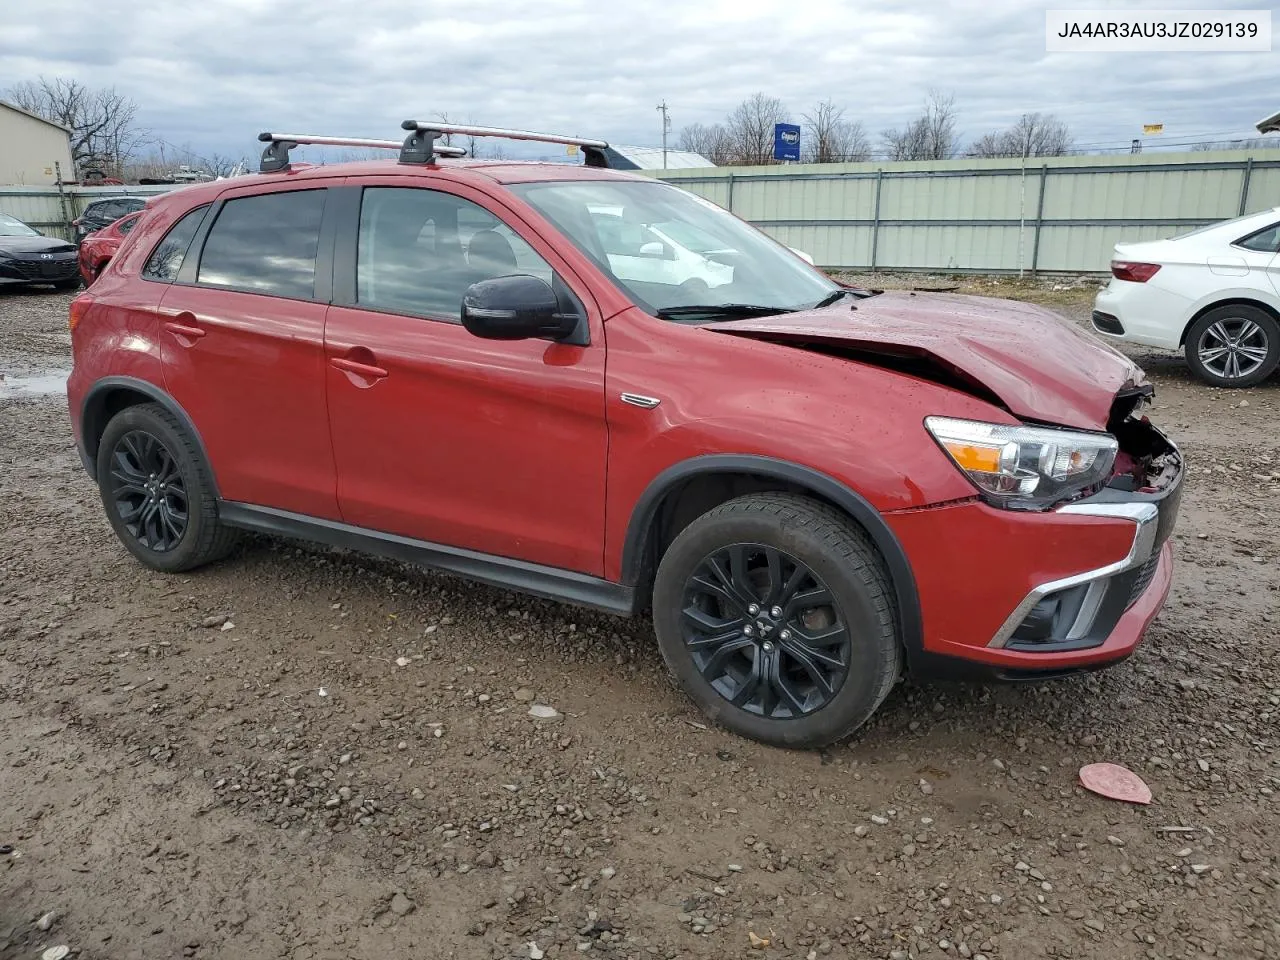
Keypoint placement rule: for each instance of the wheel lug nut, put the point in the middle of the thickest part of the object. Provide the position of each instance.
(767, 647)
(749, 630)
(785, 634)
(775, 612)
(753, 609)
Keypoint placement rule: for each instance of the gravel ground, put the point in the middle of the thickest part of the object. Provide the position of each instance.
(304, 753)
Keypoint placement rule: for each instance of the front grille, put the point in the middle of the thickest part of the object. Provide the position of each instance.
(50, 270)
(1143, 579)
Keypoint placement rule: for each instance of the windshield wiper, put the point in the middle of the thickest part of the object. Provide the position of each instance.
(721, 310)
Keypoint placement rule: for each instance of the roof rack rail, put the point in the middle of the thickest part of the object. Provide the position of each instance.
(276, 155)
(420, 146)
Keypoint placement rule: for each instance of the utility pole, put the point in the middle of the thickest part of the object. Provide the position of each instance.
(666, 126)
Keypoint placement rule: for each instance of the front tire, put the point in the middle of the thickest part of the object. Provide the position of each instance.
(776, 615)
(158, 492)
(1233, 346)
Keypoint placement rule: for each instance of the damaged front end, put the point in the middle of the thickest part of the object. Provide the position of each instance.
(1079, 612)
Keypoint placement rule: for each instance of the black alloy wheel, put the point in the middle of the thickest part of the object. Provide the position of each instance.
(158, 492)
(776, 613)
(148, 492)
(764, 631)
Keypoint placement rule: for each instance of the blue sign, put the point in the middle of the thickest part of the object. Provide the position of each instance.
(786, 141)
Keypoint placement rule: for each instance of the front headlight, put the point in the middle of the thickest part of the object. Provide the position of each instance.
(1025, 468)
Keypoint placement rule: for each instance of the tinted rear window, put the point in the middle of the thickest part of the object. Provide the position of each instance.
(265, 244)
(166, 259)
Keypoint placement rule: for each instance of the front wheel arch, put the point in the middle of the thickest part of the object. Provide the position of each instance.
(645, 535)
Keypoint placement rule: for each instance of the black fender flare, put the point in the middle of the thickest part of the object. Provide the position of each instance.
(635, 546)
(93, 410)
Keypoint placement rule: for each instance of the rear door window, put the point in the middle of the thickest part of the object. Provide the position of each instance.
(266, 244)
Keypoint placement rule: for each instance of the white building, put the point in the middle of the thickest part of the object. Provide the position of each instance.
(32, 149)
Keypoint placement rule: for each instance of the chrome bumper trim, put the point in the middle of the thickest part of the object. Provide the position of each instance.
(1144, 516)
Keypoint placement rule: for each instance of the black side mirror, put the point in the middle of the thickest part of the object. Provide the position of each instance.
(516, 307)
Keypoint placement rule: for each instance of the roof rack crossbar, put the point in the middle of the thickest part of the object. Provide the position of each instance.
(425, 132)
(276, 155)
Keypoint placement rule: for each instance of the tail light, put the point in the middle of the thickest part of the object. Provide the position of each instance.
(1132, 271)
(79, 307)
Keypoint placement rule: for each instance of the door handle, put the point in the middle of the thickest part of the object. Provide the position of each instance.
(366, 370)
(184, 325)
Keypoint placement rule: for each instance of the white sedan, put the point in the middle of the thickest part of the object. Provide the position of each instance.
(1213, 293)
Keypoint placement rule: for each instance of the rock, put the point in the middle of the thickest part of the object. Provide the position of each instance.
(213, 621)
(543, 712)
(998, 764)
(487, 859)
(684, 917)
(1022, 867)
(524, 695)
(909, 850)
(1203, 764)
(607, 873)
(1199, 868)
(535, 952)
(735, 868)
(55, 953)
(1184, 852)
(1115, 841)
(861, 830)
(1093, 923)
(878, 820)
(47, 920)
(401, 905)
(403, 661)
(926, 788)
(227, 626)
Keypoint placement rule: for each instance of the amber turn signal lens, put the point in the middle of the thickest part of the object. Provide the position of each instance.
(79, 307)
(969, 457)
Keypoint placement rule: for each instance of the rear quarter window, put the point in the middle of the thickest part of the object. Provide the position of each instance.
(167, 257)
(1264, 241)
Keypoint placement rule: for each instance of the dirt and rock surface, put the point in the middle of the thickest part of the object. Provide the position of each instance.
(307, 754)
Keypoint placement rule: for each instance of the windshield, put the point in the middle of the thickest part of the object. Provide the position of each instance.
(672, 252)
(13, 227)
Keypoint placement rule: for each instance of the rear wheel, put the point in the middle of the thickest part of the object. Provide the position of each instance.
(158, 492)
(1233, 346)
(776, 615)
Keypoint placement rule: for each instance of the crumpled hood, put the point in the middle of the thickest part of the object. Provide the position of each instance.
(1038, 365)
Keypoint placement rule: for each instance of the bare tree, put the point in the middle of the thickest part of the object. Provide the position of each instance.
(931, 136)
(103, 123)
(1248, 143)
(749, 129)
(711, 142)
(831, 138)
(1034, 135)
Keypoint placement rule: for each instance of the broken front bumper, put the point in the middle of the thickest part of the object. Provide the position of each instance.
(1036, 593)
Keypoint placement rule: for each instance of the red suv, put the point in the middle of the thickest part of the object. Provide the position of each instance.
(508, 370)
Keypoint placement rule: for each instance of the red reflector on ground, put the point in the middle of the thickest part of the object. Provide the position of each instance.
(1115, 782)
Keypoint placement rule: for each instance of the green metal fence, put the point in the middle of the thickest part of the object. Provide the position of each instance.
(1059, 214)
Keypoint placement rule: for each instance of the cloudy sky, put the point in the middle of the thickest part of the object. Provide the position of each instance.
(212, 73)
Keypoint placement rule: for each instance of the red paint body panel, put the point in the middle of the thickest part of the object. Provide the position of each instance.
(524, 449)
(254, 386)
(99, 247)
(857, 423)
(974, 564)
(996, 343)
